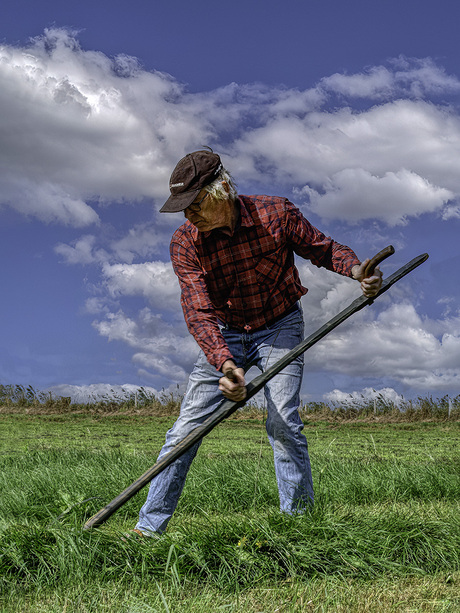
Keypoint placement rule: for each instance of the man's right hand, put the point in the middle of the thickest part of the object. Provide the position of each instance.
(370, 286)
(233, 389)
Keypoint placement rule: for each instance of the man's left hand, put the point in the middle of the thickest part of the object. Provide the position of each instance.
(233, 390)
(370, 285)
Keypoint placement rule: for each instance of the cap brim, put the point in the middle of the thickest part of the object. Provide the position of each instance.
(179, 202)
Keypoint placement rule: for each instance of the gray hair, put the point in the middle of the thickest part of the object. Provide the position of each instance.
(217, 190)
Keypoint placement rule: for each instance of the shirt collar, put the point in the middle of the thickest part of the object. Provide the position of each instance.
(245, 221)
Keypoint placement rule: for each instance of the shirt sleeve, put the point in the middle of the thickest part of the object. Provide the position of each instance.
(198, 310)
(311, 244)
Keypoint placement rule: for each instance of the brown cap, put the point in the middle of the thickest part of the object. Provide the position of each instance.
(192, 173)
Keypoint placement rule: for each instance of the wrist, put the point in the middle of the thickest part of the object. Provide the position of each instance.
(227, 365)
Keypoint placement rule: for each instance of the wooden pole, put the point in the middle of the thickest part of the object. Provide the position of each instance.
(228, 406)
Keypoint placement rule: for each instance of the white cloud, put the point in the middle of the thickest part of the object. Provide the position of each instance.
(421, 77)
(409, 144)
(451, 212)
(393, 344)
(400, 345)
(368, 394)
(376, 82)
(354, 194)
(160, 347)
(98, 391)
(327, 295)
(155, 281)
(81, 251)
(96, 306)
(143, 240)
(161, 365)
(44, 199)
(406, 77)
(73, 129)
(79, 128)
(140, 241)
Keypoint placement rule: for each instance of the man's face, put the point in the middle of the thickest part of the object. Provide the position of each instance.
(207, 213)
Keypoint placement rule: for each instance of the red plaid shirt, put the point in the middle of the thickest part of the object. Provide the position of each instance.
(248, 279)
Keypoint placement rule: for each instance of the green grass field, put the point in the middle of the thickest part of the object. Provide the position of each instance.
(384, 534)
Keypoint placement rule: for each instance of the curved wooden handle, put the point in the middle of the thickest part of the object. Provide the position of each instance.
(381, 255)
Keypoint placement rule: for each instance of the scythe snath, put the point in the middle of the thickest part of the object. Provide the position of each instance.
(228, 406)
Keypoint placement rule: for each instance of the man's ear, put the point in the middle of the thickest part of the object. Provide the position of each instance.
(226, 186)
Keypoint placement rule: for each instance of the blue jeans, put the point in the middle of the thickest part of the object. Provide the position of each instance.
(284, 427)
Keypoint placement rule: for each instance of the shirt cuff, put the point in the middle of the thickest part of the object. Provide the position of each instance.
(219, 359)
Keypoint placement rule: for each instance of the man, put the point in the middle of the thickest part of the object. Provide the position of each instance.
(240, 291)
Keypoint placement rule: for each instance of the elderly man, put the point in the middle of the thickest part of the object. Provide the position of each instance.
(240, 291)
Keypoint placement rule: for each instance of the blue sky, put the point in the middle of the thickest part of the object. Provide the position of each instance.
(349, 109)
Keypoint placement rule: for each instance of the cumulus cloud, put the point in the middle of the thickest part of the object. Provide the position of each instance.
(451, 212)
(406, 150)
(78, 126)
(160, 347)
(80, 129)
(99, 391)
(390, 342)
(96, 305)
(81, 251)
(376, 82)
(140, 242)
(155, 281)
(421, 353)
(368, 394)
(397, 345)
(46, 200)
(410, 78)
(327, 295)
(354, 194)
(393, 343)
